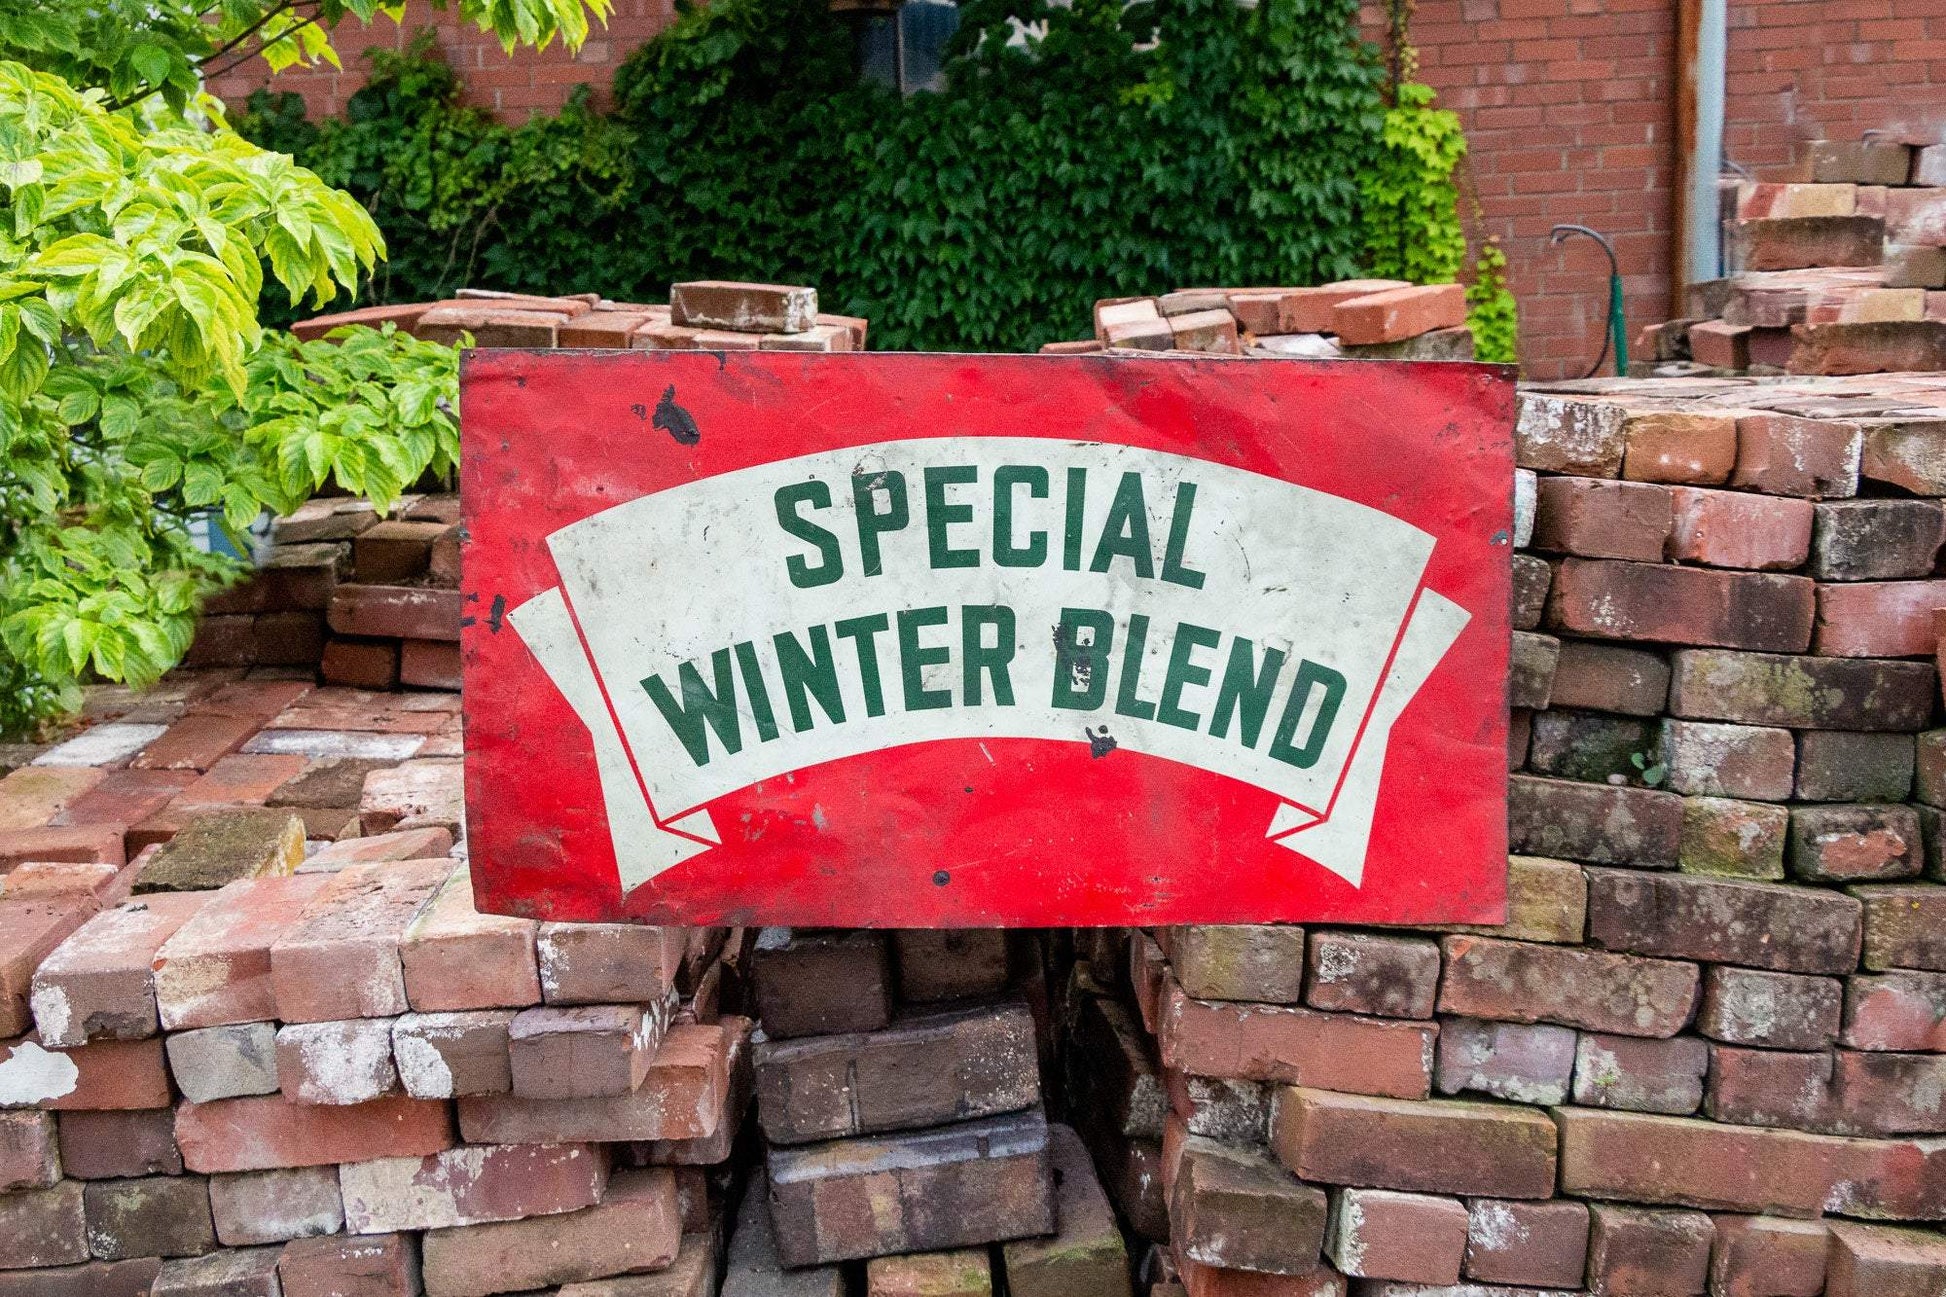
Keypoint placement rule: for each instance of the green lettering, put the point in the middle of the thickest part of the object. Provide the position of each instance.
(977, 656)
(1310, 676)
(1126, 532)
(700, 707)
(1245, 691)
(871, 523)
(913, 657)
(1126, 701)
(1081, 668)
(863, 632)
(1005, 479)
(1076, 508)
(809, 675)
(753, 686)
(1183, 672)
(1172, 564)
(832, 563)
(941, 515)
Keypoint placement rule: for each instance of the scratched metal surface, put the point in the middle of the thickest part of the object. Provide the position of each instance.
(951, 831)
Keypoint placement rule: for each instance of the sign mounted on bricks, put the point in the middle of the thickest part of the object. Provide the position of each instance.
(911, 640)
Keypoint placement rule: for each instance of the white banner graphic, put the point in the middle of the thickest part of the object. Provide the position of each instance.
(760, 622)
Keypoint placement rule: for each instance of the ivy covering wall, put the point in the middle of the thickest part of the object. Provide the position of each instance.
(1082, 151)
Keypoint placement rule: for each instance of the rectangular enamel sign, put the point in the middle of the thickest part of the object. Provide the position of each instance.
(916, 640)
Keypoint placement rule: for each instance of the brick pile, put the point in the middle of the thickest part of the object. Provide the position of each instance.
(899, 1095)
(255, 1039)
(1841, 270)
(1376, 319)
(1706, 1051)
(704, 315)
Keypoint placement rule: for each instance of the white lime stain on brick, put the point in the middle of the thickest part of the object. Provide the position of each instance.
(31, 1075)
(53, 1014)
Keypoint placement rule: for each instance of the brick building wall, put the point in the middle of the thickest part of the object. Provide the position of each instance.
(1568, 104)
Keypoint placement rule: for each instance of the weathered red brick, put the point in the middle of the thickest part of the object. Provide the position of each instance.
(1697, 448)
(1881, 1261)
(340, 959)
(1397, 313)
(1409, 1237)
(1603, 518)
(1638, 1075)
(1610, 678)
(29, 1156)
(1781, 454)
(262, 1133)
(1527, 1063)
(1719, 920)
(1237, 1209)
(1897, 1011)
(1802, 692)
(260, 1207)
(1905, 925)
(1435, 1146)
(1680, 1161)
(1738, 529)
(99, 982)
(1848, 844)
(1719, 608)
(216, 968)
(1516, 981)
(1602, 823)
(684, 1096)
(1765, 1256)
(1542, 1244)
(118, 1143)
(471, 1186)
(29, 933)
(1633, 1251)
(1296, 1046)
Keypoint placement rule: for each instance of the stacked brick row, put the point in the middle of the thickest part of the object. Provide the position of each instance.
(249, 1060)
(1840, 271)
(704, 315)
(1706, 1051)
(899, 1096)
(1376, 319)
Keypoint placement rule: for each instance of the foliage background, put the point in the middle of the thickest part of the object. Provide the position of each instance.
(1130, 149)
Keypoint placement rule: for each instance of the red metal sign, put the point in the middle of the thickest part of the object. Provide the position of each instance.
(912, 640)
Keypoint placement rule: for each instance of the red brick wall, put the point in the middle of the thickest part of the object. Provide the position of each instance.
(1568, 105)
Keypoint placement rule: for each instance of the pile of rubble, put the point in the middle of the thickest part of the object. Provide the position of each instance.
(1838, 272)
(1374, 319)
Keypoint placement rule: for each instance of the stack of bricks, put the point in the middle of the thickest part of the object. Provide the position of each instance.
(1375, 319)
(705, 315)
(266, 1053)
(1705, 1053)
(1841, 271)
(899, 1095)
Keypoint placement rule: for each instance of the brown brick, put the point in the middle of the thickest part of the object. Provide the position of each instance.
(1558, 434)
(164, 1215)
(1296, 1046)
(1609, 678)
(1309, 310)
(99, 842)
(921, 1071)
(1515, 981)
(1881, 1261)
(1769, 1087)
(259, 1134)
(1525, 1063)
(371, 1265)
(1695, 448)
(1876, 540)
(815, 983)
(119, 1144)
(94, 1279)
(1846, 844)
(29, 1156)
(1905, 926)
(1603, 518)
(260, 1207)
(949, 963)
(242, 1272)
(1547, 900)
(1409, 1237)
(1781, 454)
(1738, 529)
(1898, 1011)
(361, 663)
(1593, 748)
(602, 963)
(1594, 822)
(1888, 346)
(1543, 1244)
(395, 612)
(1642, 601)
(1761, 925)
(1087, 1258)
(1802, 692)
(1532, 577)
(340, 959)
(1531, 672)
(1633, 1252)
(1679, 1161)
(961, 1273)
(1879, 618)
(1116, 1072)
(1237, 1209)
(1258, 962)
(1638, 1075)
(43, 1227)
(1907, 452)
(1764, 1256)
(1743, 1006)
(743, 308)
(1716, 760)
(582, 1052)
(953, 1186)
(1796, 242)
(1732, 838)
(1435, 1146)
(1362, 972)
(216, 969)
(196, 742)
(447, 1055)
(1838, 766)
